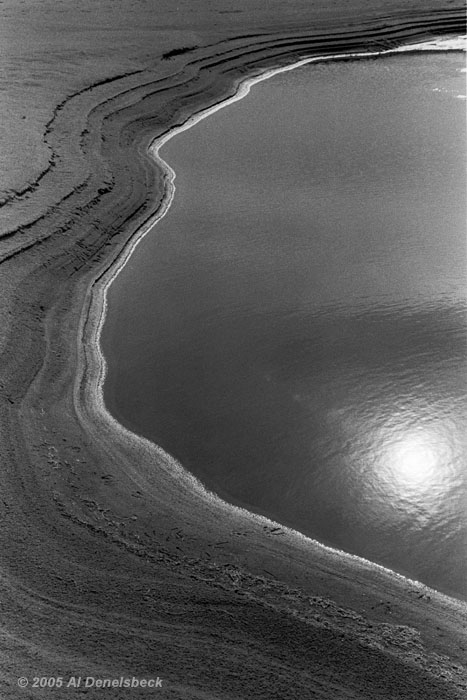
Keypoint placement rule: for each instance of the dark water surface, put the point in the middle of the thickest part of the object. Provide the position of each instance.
(294, 330)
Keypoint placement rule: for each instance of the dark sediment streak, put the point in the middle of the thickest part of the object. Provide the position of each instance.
(114, 561)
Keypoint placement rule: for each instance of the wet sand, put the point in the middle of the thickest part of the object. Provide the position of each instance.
(115, 562)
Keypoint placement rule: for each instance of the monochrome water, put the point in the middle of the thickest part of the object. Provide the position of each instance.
(293, 331)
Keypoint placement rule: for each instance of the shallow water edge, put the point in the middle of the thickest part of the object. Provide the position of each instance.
(242, 90)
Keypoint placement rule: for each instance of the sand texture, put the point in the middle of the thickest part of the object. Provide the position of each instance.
(113, 560)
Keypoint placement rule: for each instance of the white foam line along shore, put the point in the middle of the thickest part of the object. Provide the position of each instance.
(91, 375)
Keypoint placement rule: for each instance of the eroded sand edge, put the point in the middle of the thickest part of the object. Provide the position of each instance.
(114, 560)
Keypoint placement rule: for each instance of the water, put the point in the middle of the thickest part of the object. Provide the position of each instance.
(294, 330)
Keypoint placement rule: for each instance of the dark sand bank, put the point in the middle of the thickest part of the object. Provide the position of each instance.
(114, 561)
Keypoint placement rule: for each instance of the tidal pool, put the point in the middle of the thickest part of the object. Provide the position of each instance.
(294, 330)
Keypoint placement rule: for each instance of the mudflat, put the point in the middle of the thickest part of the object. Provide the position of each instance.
(116, 564)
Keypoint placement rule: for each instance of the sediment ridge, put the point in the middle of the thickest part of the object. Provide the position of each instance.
(115, 561)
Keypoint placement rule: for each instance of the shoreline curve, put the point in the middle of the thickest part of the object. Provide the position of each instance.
(109, 565)
(242, 90)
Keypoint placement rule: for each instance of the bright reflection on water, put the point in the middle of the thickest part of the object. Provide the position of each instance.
(294, 330)
(413, 463)
(413, 466)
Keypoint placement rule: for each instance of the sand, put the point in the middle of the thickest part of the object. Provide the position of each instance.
(115, 562)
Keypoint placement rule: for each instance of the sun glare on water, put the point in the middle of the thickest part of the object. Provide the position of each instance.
(415, 462)
(414, 458)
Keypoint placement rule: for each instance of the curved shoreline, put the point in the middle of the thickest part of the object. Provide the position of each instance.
(242, 90)
(108, 562)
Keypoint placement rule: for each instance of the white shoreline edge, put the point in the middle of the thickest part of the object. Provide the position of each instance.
(92, 366)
